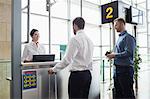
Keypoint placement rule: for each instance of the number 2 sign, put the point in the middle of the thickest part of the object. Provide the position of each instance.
(109, 12)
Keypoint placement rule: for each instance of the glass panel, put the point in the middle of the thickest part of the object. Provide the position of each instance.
(140, 1)
(93, 33)
(72, 34)
(134, 1)
(104, 49)
(148, 15)
(143, 53)
(75, 9)
(141, 29)
(24, 5)
(92, 17)
(106, 1)
(106, 36)
(24, 27)
(142, 5)
(59, 31)
(142, 40)
(96, 53)
(56, 51)
(148, 41)
(41, 23)
(22, 48)
(129, 28)
(94, 1)
(38, 6)
(46, 46)
(126, 1)
(148, 3)
(59, 6)
(149, 28)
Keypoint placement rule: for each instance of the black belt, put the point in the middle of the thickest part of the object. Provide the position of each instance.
(80, 71)
(123, 66)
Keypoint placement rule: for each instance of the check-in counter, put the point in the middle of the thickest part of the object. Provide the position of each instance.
(37, 84)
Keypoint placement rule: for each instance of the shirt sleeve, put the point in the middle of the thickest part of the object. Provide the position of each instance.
(71, 51)
(128, 49)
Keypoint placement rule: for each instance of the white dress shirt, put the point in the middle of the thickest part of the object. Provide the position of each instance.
(78, 55)
(32, 49)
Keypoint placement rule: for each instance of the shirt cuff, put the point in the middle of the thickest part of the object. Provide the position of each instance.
(117, 55)
(54, 69)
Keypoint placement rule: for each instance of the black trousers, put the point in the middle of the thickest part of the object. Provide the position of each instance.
(123, 83)
(79, 84)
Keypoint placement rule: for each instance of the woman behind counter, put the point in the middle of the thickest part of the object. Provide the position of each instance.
(33, 48)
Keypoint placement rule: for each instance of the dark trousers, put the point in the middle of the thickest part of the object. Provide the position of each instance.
(123, 83)
(79, 84)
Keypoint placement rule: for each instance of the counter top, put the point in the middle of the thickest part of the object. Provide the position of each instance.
(39, 63)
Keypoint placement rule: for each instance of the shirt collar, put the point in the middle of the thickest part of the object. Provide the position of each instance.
(79, 31)
(122, 33)
(33, 43)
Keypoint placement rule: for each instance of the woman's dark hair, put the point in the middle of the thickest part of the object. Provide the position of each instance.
(32, 32)
(79, 21)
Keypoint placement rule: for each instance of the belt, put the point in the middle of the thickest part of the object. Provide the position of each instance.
(123, 66)
(80, 71)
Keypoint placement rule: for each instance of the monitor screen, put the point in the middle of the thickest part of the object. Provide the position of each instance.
(43, 58)
(137, 15)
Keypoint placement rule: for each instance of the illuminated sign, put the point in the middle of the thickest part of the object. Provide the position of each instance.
(29, 79)
(109, 12)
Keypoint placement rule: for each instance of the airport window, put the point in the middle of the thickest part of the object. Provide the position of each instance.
(94, 1)
(59, 9)
(93, 33)
(38, 7)
(104, 49)
(96, 53)
(72, 9)
(106, 36)
(142, 37)
(42, 26)
(143, 52)
(24, 28)
(94, 12)
(59, 31)
(75, 9)
(56, 50)
(105, 1)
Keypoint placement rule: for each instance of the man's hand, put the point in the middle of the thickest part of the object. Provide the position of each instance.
(111, 56)
(50, 71)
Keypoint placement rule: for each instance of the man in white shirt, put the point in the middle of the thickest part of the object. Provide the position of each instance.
(33, 48)
(79, 56)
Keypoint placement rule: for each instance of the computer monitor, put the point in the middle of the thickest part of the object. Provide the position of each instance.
(137, 16)
(134, 15)
(43, 58)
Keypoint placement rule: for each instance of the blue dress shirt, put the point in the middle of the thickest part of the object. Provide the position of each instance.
(124, 49)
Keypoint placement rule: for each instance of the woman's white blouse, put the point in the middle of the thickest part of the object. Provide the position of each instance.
(32, 49)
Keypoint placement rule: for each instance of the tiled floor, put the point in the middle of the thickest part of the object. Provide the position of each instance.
(143, 91)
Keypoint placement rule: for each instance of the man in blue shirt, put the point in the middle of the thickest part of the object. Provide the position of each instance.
(123, 61)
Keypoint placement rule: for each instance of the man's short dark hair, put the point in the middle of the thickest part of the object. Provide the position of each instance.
(79, 21)
(120, 20)
(32, 32)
